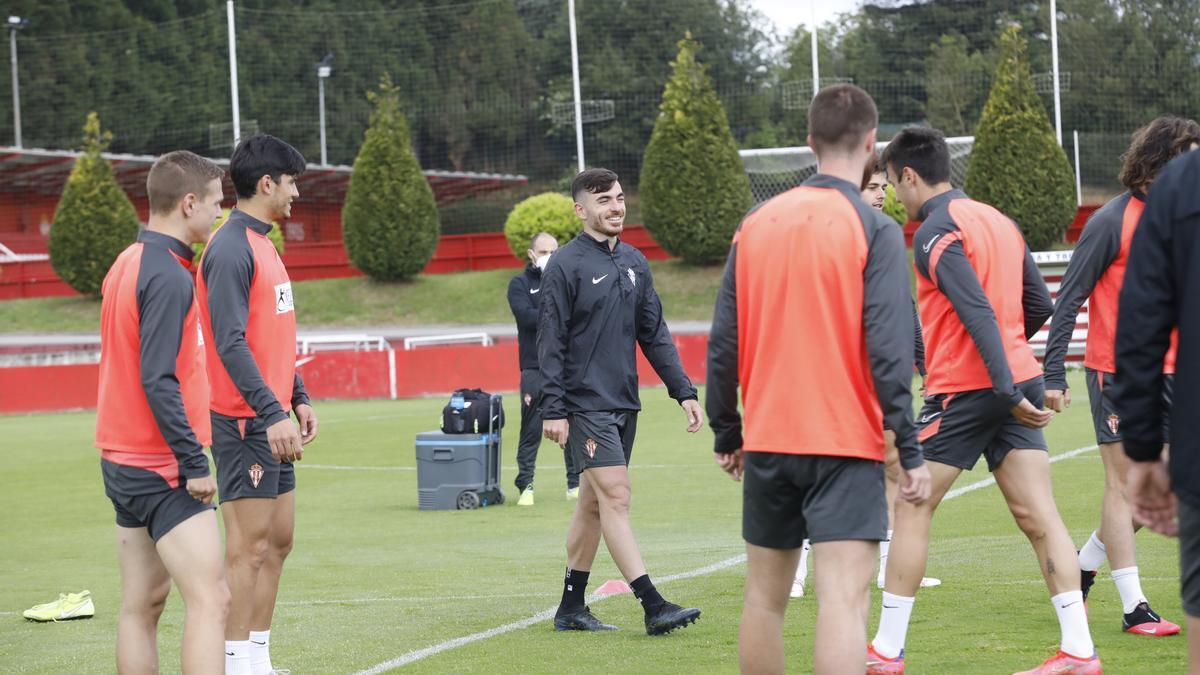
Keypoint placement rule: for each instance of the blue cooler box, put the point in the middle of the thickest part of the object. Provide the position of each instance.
(458, 471)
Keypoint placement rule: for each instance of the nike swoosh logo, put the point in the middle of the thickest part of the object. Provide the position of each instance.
(1151, 631)
(228, 653)
(596, 281)
(928, 246)
(926, 418)
(534, 290)
(891, 606)
(1069, 604)
(257, 642)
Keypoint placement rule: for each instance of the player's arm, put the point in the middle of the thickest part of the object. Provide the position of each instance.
(163, 304)
(721, 390)
(227, 276)
(1146, 314)
(939, 257)
(655, 340)
(522, 304)
(301, 405)
(887, 307)
(918, 340)
(1098, 246)
(553, 332)
(1035, 296)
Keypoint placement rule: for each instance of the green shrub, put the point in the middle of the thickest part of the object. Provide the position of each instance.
(275, 235)
(1017, 165)
(892, 206)
(390, 218)
(94, 220)
(693, 186)
(549, 212)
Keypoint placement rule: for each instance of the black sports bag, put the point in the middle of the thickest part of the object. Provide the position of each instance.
(469, 410)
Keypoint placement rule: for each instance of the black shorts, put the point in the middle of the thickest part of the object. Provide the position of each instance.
(245, 466)
(596, 439)
(1189, 558)
(1104, 414)
(143, 498)
(956, 429)
(789, 498)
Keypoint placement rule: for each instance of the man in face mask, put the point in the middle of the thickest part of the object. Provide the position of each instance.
(523, 300)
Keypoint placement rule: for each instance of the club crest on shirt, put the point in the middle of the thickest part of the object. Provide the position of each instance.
(591, 447)
(256, 474)
(632, 276)
(1114, 423)
(283, 298)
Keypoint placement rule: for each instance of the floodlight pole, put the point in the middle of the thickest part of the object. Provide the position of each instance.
(1078, 172)
(15, 23)
(233, 77)
(323, 72)
(575, 84)
(816, 68)
(1054, 65)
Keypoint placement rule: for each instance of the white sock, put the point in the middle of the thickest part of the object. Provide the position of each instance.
(883, 554)
(1092, 555)
(1072, 620)
(802, 568)
(1129, 585)
(260, 652)
(237, 657)
(893, 625)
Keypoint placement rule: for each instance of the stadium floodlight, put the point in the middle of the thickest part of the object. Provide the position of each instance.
(324, 70)
(15, 23)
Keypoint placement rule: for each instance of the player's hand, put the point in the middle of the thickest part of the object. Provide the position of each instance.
(730, 463)
(1029, 415)
(1148, 489)
(556, 430)
(695, 415)
(916, 484)
(1058, 399)
(284, 437)
(202, 489)
(308, 423)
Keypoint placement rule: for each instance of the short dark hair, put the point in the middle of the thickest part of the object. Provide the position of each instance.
(922, 149)
(1153, 146)
(840, 116)
(873, 167)
(177, 174)
(533, 240)
(592, 180)
(262, 155)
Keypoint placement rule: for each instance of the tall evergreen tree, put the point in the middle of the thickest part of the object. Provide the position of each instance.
(390, 218)
(94, 220)
(694, 188)
(1016, 163)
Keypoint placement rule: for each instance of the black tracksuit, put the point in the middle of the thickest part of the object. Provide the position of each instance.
(1161, 291)
(598, 305)
(523, 299)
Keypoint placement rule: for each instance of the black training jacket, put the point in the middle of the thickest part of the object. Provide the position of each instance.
(596, 305)
(523, 300)
(1162, 292)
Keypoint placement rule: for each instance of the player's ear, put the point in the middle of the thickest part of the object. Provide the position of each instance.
(580, 212)
(869, 141)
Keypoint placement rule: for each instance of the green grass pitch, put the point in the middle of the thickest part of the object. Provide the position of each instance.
(372, 579)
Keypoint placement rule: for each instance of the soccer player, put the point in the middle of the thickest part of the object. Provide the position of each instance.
(981, 299)
(249, 322)
(1095, 274)
(152, 424)
(523, 301)
(874, 193)
(814, 468)
(1161, 293)
(598, 306)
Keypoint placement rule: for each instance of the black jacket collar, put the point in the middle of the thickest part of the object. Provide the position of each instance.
(934, 203)
(251, 222)
(589, 240)
(160, 240)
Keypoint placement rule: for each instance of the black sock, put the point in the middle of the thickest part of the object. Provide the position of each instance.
(573, 589)
(647, 594)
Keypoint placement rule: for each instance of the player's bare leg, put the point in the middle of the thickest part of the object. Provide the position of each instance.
(842, 605)
(247, 541)
(583, 535)
(760, 638)
(910, 537)
(1193, 638)
(145, 585)
(1116, 518)
(611, 487)
(266, 589)
(191, 552)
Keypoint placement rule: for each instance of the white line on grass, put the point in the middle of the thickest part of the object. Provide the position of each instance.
(548, 614)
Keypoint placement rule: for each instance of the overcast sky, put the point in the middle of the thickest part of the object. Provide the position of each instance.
(787, 14)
